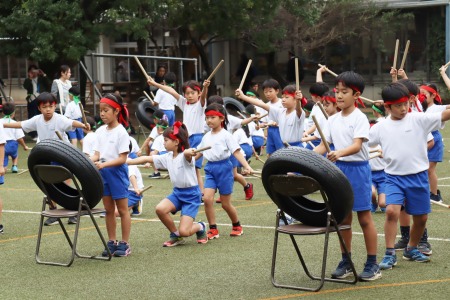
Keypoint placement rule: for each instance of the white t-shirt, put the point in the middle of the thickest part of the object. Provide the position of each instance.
(182, 173)
(341, 131)
(111, 142)
(223, 145)
(253, 131)
(320, 117)
(134, 171)
(436, 109)
(89, 141)
(261, 112)
(291, 126)
(2, 134)
(193, 115)
(404, 142)
(158, 144)
(134, 145)
(165, 100)
(73, 111)
(46, 130)
(277, 104)
(11, 133)
(241, 138)
(234, 123)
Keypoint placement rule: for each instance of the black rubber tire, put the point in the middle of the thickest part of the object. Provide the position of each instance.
(144, 114)
(56, 151)
(306, 162)
(232, 106)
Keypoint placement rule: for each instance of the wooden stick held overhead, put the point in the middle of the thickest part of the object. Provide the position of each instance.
(142, 68)
(215, 70)
(245, 74)
(402, 65)
(150, 99)
(297, 78)
(328, 70)
(322, 135)
(394, 63)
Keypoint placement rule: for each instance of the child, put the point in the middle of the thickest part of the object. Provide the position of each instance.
(317, 91)
(349, 131)
(110, 157)
(186, 195)
(165, 101)
(156, 116)
(377, 166)
(218, 170)
(90, 138)
(14, 137)
(256, 132)
(2, 169)
(135, 199)
(158, 146)
(406, 169)
(290, 118)
(73, 112)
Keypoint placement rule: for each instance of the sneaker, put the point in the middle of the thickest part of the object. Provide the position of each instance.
(388, 262)
(236, 231)
(248, 190)
(383, 209)
(213, 234)
(371, 272)
(123, 249)
(289, 220)
(137, 209)
(1, 228)
(112, 246)
(415, 255)
(425, 248)
(374, 207)
(175, 240)
(155, 176)
(401, 244)
(14, 169)
(439, 195)
(435, 197)
(343, 270)
(202, 237)
(51, 221)
(72, 220)
(102, 215)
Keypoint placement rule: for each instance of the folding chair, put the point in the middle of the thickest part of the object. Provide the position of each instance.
(141, 129)
(284, 185)
(51, 174)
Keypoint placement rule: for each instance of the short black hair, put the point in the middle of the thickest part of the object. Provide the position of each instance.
(250, 109)
(158, 114)
(411, 86)
(394, 91)
(270, 83)
(46, 97)
(308, 106)
(75, 90)
(170, 78)
(318, 88)
(91, 122)
(351, 80)
(8, 108)
(215, 99)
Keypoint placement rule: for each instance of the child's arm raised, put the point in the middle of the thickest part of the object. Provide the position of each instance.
(251, 100)
(204, 93)
(298, 105)
(242, 160)
(444, 75)
(319, 72)
(140, 160)
(350, 150)
(163, 87)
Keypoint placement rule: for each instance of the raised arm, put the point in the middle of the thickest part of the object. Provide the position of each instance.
(163, 87)
(319, 72)
(444, 75)
(298, 105)
(204, 93)
(251, 100)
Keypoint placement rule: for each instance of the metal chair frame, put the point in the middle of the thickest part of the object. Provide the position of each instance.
(51, 174)
(301, 229)
(141, 129)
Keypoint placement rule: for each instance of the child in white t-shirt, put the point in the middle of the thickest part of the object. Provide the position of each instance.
(73, 112)
(158, 146)
(165, 101)
(89, 138)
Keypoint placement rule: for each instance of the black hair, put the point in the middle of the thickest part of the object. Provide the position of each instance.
(318, 88)
(8, 108)
(434, 87)
(250, 109)
(46, 97)
(308, 106)
(31, 67)
(123, 114)
(194, 85)
(351, 80)
(75, 90)
(170, 78)
(163, 124)
(411, 86)
(158, 114)
(98, 121)
(270, 83)
(215, 99)
(219, 108)
(290, 89)
(182, 135)
(246, 130)
(394, 91)
(253, 92)
(91, 121)
(63, 69)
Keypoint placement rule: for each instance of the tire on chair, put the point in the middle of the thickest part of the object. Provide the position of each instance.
(144, 114)
(59, 152)
(308, 163)
(232, 106)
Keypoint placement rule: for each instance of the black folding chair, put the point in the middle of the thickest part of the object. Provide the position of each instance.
(50, 175)
(284, 185)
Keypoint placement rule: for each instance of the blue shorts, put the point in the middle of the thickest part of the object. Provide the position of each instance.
(170, 116)
(115, 181)
(314, 142)
(248, 154)
(258, 141)
(77, 134)
(436, 153)
(379, 181)
(411, 191)
(132, 155)
(274, 141)
(296, 144)
(11, 149)
(219, 175)
(195, 140)
(187, 200)
(133, 198)
(360, 177)
(2, 179)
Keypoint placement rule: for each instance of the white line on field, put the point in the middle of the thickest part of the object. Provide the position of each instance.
(246, 226)
(443, 178)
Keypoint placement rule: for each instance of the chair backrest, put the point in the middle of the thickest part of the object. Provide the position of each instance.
(54, 175)
(288, 185)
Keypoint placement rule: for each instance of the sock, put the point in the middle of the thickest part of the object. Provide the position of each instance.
(372, 259)
(202, 227)
(424, 238)
(345, 257)
(237, 224)
(405, 232)
(177, 233)
(212, 226)
(247, 186)
(390, 251)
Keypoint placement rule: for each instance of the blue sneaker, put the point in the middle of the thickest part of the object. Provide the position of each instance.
(415, 255)
(383, 209)
(14, 169)
(112, 246)
(425, 248)
(388, 262)
(202, 237)
(374, 207)
(123, 249)
(371, 272)
(343, 270)
(137, 209)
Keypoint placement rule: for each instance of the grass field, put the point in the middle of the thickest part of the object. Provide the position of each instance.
(227, 268)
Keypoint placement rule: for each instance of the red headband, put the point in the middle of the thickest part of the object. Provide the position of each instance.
(176, 129)
(432, 91)
(289, 94)
(214, 113)
(396, 101)
(111, 103)
(329, 99)
(359, 99)
(314, 95)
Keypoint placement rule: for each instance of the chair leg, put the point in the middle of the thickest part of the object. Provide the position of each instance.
(99, 257)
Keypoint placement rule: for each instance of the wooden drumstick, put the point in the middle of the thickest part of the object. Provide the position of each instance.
(286, 144)
(440, 203)
(263, 116)
(367, 99)
(242, 115)
(202, 149)
(311, 144)
(24, 171)
(150, 99)
(394, 63)
(147, 188)
(328, 70)
(297, 79)
(83, 115)
(322, 136)
(59, 135)
(375, 155)
(153, 95)
(402, 65)
(261, 160)
(245, 74)
(322, 109)
(142, 68)
(215, 70)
